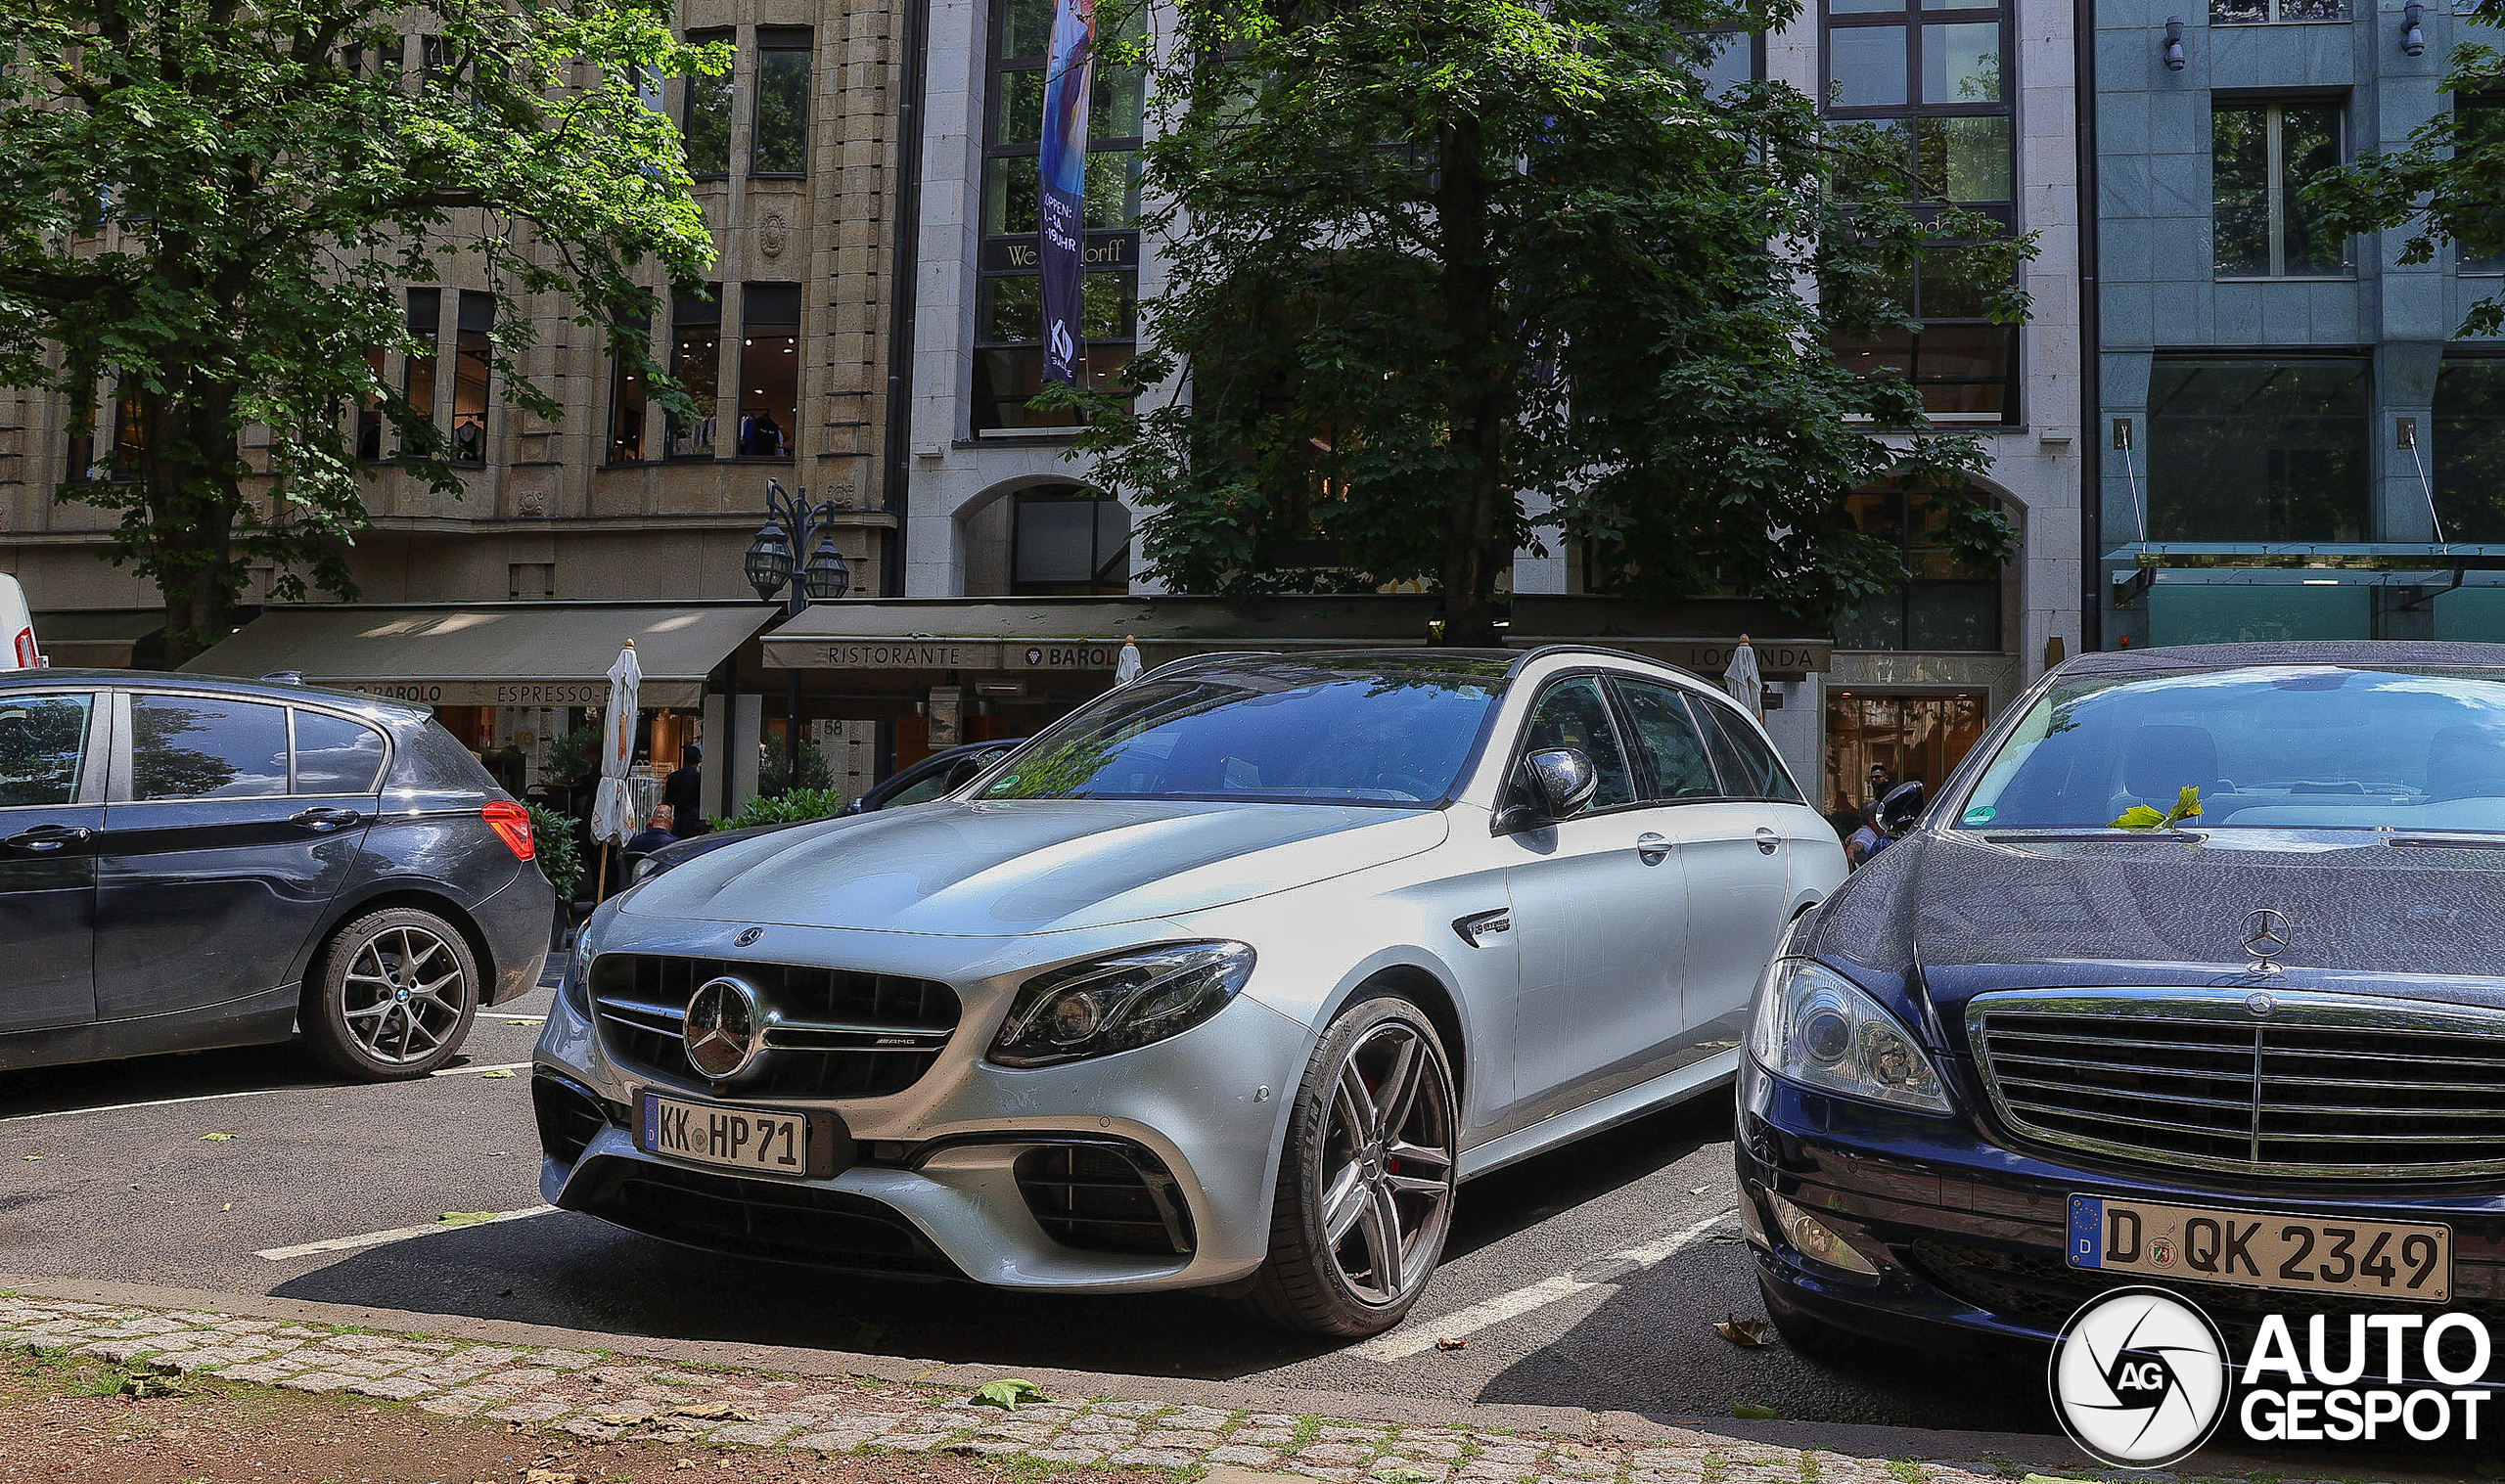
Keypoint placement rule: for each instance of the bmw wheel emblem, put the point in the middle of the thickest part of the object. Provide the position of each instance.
(724, 1031)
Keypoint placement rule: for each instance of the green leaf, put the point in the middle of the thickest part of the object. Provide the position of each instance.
(2140, 817)
(1007, 1394)
(215, 1137)
(1756, 1413)
(465, 1218)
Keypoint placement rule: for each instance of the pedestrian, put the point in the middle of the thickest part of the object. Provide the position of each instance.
(655, 832)
(1869, 839)
(1880, 781)
(684, 791)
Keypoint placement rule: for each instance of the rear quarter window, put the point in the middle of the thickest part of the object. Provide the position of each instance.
(336, 755)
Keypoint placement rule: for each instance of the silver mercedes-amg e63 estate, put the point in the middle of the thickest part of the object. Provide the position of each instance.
(1226, 981)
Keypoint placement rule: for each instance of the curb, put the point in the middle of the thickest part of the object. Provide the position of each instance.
(2049, 1454)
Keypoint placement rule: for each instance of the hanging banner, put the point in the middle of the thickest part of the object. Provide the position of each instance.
(1069, 83)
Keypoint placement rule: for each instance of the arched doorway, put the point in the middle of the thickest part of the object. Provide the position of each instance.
(1065, 540)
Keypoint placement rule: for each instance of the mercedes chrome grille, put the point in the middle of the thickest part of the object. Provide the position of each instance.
(826, 1032)
(2298, 1084)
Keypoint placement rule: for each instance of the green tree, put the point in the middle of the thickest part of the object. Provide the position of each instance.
(1451, 276)
(2447, 186)
(212, 204)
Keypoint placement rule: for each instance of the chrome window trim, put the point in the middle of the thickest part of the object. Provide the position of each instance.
(2191, 1005)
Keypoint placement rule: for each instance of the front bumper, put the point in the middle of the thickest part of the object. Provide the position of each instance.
(936, 1189)
(1969, 1237)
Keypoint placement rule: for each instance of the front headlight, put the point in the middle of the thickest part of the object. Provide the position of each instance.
(576, 987)
(1815, 1027)
(1120, 1002)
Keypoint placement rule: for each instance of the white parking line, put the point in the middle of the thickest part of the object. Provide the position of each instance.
(250, 1092)
(1420, 1336)
(380, 1238)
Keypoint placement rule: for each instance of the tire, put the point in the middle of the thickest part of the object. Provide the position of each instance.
(390, 997)
(1336, 1167)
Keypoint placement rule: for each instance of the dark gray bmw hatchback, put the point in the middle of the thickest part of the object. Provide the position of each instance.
(188, 863)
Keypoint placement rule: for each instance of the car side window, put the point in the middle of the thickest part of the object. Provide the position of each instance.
(1573, 713)
(1743, 758)
(336, 756)
(43, 748)
(205, 747)
(921, 792)
(1667, 736)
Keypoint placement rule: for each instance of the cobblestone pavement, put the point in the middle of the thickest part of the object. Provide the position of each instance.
(603, 1397)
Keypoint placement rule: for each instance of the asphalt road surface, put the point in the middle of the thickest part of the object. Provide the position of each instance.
(1591, 1278)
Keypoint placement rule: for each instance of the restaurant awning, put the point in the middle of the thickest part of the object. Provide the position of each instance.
(95, 639)
(1083, 634)
(493, 653)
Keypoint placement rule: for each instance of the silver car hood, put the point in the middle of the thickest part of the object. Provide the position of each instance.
(1005, 868)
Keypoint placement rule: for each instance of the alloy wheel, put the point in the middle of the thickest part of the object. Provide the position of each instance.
(1387, 1169)
(402, 995)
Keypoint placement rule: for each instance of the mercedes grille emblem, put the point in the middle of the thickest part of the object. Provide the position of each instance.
(747, 937)
(2266, 933)
(2259, 1004)
(724, 1031)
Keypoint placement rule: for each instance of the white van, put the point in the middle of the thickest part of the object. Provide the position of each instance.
(18, 650)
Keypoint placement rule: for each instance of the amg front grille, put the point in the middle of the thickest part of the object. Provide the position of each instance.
(756, 1218)
(2249, 1080)
(830, 1033)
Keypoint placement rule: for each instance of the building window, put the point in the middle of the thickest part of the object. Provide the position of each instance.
(629, 397)
(2468, 435)
(1917, 738)
(696, 364)
(2260, 156)
(2482, 125)
(1009, 315)
(1066, 542)
(369, 412)
(472, 357)
(417, 368)
(1936, 75)
(1734, 57)
(769, 370)
(2264, 12)
(2259, 450)
(1947, 603)
(779, 130)
(704, 118)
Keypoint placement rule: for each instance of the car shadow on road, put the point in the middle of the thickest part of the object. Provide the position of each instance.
(1516, 1198)
(1651, 1348)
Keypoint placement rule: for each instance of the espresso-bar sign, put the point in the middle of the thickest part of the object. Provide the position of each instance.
(485, 692)
(1061, 656)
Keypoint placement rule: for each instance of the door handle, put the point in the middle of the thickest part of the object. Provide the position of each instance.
(323, 821)
(43, 838)
(1767, 840)
(1652, 849)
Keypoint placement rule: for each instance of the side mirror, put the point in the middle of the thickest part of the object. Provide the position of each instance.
(1560, 781)
(1902, 806)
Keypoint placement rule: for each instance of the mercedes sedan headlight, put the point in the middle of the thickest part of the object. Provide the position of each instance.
(1120, 1002)
(1815, 1027)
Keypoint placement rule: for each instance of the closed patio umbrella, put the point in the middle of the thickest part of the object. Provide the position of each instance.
(1742, 681)
(612, 810)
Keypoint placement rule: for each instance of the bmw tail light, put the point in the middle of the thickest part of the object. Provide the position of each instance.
(512, 824)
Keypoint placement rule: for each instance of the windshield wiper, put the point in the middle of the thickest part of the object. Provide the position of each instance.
(2464, 841)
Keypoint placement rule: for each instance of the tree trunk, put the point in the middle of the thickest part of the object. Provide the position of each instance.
(1475, 527)
(191, 503)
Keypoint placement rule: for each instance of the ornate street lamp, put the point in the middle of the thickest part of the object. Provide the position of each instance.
(782, 556)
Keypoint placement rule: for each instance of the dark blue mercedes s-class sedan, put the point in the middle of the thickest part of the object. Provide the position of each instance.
(2193, 974)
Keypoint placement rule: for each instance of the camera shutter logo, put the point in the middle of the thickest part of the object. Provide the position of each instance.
(2139, 1378)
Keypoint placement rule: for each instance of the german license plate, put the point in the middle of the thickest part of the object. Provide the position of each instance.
(2254, 1249)
(753, 1141)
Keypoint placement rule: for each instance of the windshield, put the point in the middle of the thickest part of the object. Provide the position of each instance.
(2275, 747)
(1276, 733)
